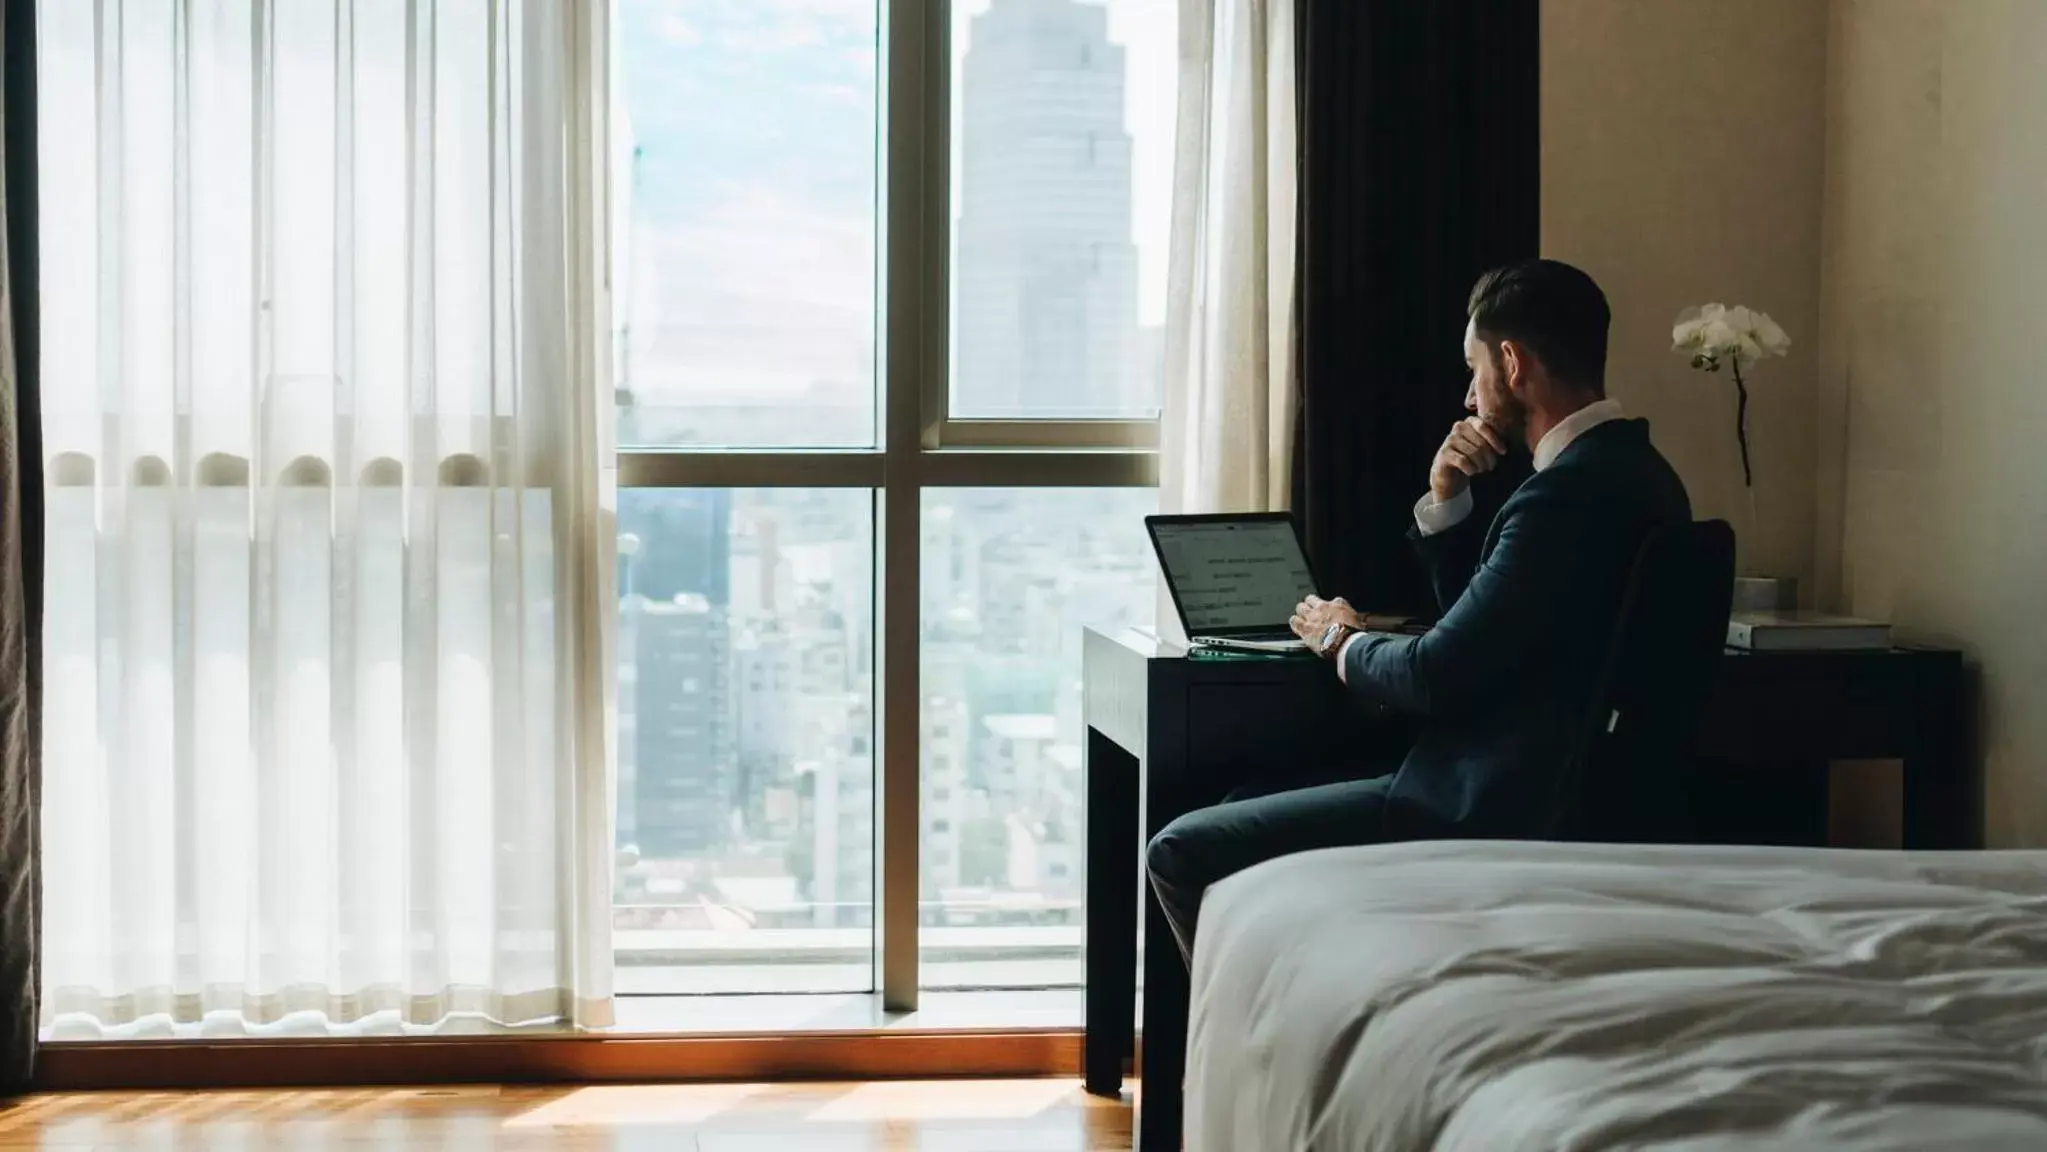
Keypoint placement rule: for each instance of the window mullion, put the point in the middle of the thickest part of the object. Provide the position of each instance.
(918, 86)
(1140, 435)
(661, 468)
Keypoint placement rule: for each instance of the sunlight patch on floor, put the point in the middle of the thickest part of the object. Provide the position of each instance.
(638, 1104)
(948, 1100)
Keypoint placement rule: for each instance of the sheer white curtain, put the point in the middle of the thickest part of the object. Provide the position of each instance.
(1228, 425)
(328, 541)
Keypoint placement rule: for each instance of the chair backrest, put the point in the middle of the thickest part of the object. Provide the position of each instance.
(1629, 780)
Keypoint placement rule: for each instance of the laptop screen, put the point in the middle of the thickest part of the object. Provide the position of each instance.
(1233, 574)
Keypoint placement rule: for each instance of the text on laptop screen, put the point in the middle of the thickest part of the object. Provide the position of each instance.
(1234, 574)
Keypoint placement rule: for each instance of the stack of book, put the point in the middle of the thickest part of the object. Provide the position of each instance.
(1805, 632)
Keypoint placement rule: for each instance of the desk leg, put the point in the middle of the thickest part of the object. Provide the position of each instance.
(1941, 798)
(1113, 877)
(1162, 1033)
(1163, 1036)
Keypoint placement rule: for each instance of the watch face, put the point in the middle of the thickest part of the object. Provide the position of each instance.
(1330, 634)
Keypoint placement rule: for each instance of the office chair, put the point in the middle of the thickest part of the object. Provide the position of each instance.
(1630, 777)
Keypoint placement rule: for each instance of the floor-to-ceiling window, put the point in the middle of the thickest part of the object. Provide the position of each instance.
(888, 286)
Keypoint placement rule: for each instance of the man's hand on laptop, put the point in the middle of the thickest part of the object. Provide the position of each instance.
(1473, 447)
(1316, 621)
(1325, 624)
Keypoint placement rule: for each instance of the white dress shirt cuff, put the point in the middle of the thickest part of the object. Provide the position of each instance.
(1343, 657)
(1433, 516)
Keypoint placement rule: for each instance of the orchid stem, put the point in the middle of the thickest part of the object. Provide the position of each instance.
(1741, 421)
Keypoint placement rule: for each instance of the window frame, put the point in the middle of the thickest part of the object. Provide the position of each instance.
(922, 444)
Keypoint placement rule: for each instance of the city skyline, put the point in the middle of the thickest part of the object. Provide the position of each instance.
(747, 764)
(745, 728)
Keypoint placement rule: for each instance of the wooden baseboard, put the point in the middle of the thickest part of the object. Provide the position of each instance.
(877, 1055)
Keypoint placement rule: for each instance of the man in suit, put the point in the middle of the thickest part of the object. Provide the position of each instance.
(1502, 683)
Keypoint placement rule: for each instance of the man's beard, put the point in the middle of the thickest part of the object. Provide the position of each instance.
(1510, 420)
(1510, 416)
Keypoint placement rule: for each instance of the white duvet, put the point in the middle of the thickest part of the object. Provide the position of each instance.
(1497, 996)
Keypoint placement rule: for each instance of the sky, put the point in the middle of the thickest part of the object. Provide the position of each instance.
(754, 216)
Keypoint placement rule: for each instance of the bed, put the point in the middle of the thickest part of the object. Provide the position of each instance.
(1509, 995)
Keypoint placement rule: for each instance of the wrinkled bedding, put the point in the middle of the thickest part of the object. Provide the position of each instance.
(1505, 995)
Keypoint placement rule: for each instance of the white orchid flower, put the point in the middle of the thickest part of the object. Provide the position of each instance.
(1713, 333)
(1690, 333)
(1771, 336)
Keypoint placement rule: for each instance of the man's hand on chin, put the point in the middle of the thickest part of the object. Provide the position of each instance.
(1473, 448)
(1315, 621)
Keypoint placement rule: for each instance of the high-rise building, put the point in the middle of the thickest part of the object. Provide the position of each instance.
(683, 543)
(685, 767)
(764, 697)
(1043, 860)
(841, 823)
(1047, 270)
(678, 773)
(943, 806)
(1014, 766)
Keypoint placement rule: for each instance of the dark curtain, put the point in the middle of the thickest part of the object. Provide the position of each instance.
(1419, 170)
(21, 561)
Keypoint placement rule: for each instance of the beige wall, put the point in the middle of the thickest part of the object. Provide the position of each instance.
(1874, 174)
(1932, 450)
(1681, 145)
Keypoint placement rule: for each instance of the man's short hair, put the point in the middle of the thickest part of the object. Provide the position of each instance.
(1552, 309)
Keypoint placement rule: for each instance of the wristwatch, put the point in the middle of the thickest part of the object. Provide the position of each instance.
(1333, 638)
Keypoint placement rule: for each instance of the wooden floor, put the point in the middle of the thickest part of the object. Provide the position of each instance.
(925, 1116)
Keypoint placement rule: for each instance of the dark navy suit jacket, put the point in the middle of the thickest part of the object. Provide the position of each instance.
(1505, 679)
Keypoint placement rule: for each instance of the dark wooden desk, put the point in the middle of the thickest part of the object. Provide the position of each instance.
(1168, 733)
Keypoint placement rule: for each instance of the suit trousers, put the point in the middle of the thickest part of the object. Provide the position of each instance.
(1211, 844)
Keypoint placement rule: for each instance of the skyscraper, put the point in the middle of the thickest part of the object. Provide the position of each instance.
(1047, 271)
(685, 768)
(678, 774)
(684, 543)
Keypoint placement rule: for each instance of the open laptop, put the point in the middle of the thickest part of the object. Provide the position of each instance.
(1235, 577)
